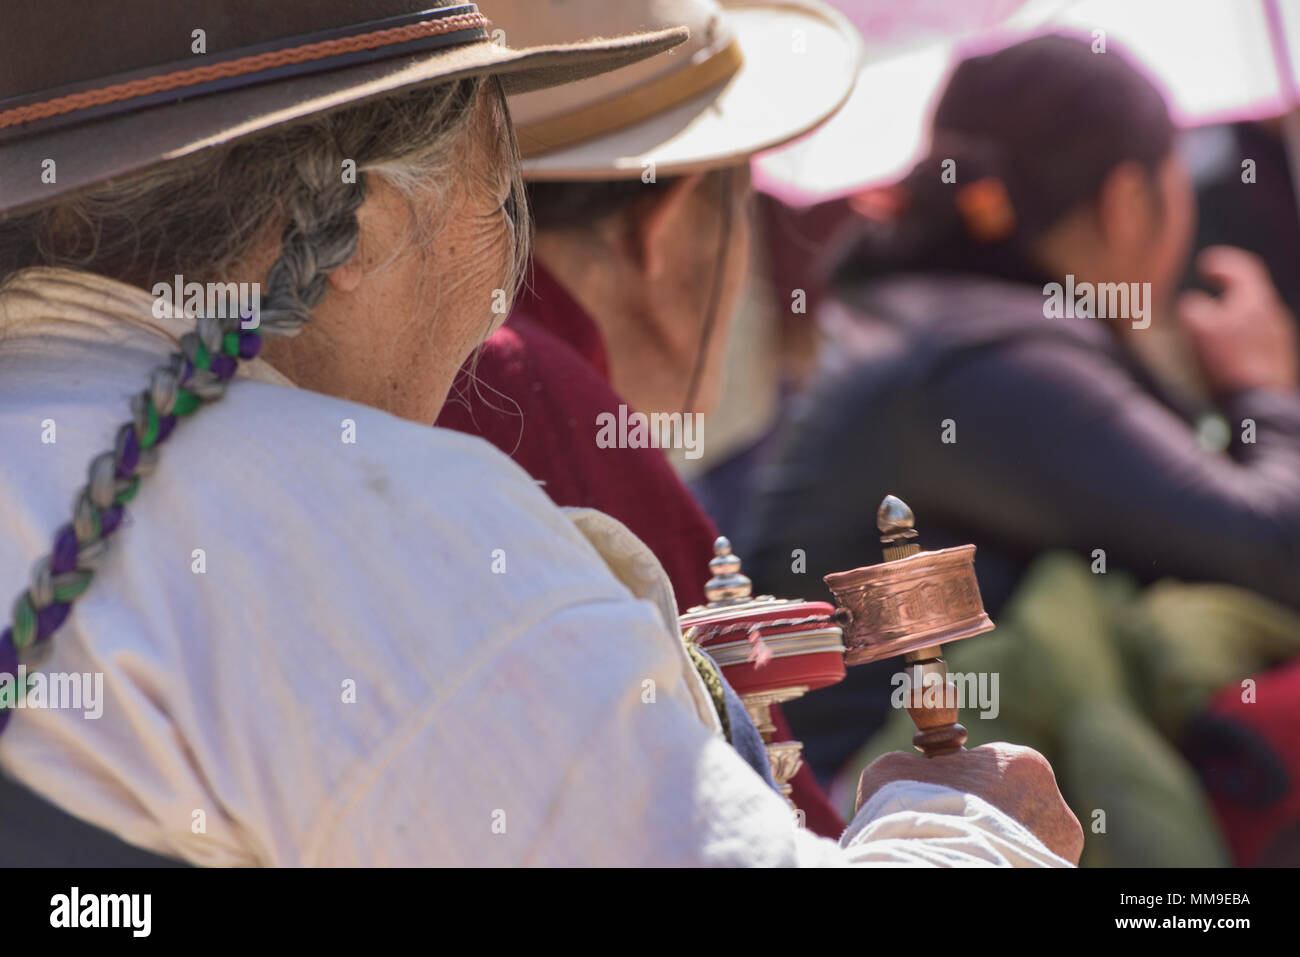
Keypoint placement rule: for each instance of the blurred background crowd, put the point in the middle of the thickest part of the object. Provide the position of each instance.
(1133, 490)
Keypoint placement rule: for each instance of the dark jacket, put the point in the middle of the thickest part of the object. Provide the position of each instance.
(1062, 440)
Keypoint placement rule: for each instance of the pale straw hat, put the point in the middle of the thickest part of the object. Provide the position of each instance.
(754, 74)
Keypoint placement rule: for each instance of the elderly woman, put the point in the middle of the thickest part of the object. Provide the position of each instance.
(326, 633)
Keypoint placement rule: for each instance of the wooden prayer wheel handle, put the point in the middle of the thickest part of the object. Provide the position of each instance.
(937, 730)
(911, 604)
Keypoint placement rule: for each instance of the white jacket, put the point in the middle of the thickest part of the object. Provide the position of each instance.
(395, 651)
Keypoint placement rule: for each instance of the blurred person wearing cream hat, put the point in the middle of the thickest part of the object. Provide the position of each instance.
(639, 186)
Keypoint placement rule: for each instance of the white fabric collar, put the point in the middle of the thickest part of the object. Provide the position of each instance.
(69, 303)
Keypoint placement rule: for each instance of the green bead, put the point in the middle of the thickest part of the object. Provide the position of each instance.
(201, 358)
(24, 622)
(80, 581)
(230, 344)
(151, 428)
(128, 493)
(186, 402)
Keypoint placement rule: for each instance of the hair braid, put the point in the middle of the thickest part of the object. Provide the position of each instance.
(321, 236)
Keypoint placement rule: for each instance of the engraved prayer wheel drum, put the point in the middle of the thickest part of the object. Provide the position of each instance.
(911, 603)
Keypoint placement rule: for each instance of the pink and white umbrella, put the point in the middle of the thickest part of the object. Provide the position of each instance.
(1217, 60)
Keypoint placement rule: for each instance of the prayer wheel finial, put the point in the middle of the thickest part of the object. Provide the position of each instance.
(727, 586)
(897, 527)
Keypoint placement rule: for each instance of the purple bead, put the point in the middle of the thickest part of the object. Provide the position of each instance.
(49, 618)
(109, 519)
(187, 370)
(165, 426)
(9, 666)
(223, 366)
(250, 344)
(8, 653)
(64, 558)
(129, 454)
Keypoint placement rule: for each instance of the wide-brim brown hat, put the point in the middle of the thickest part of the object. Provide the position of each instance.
(94, 91)
(755, 74)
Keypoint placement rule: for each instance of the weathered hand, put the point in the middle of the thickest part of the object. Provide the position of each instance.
(1014, 779)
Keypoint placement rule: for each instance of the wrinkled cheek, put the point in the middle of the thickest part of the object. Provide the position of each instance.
(484, 256)
(500, 254)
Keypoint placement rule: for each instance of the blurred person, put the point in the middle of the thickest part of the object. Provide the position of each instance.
(347, 679)
(1253, 209)
(634, 284)
(794, 252)
(963, 376)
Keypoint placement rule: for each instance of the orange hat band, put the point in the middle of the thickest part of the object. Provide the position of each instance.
(361, 43)
(631, 107)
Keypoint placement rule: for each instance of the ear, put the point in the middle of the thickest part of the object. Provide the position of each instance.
(1126, 206)
(347, 277)
(652, 224)
(379, 219)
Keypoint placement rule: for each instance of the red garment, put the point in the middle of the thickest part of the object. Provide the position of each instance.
(550, 359)
(1248, 754)
(543, 379)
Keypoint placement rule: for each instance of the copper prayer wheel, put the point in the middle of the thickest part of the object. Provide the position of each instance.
(912, 604)
(774, 650)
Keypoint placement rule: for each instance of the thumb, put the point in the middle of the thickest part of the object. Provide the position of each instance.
(1224, 264)
(1197, 309)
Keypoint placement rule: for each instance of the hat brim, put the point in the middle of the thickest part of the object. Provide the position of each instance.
(801, 61)
(100, 150)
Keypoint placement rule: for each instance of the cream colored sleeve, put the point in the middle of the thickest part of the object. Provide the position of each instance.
(908, 823)
(581, 744)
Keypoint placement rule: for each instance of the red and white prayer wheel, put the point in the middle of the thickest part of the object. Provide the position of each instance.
(771, 650)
